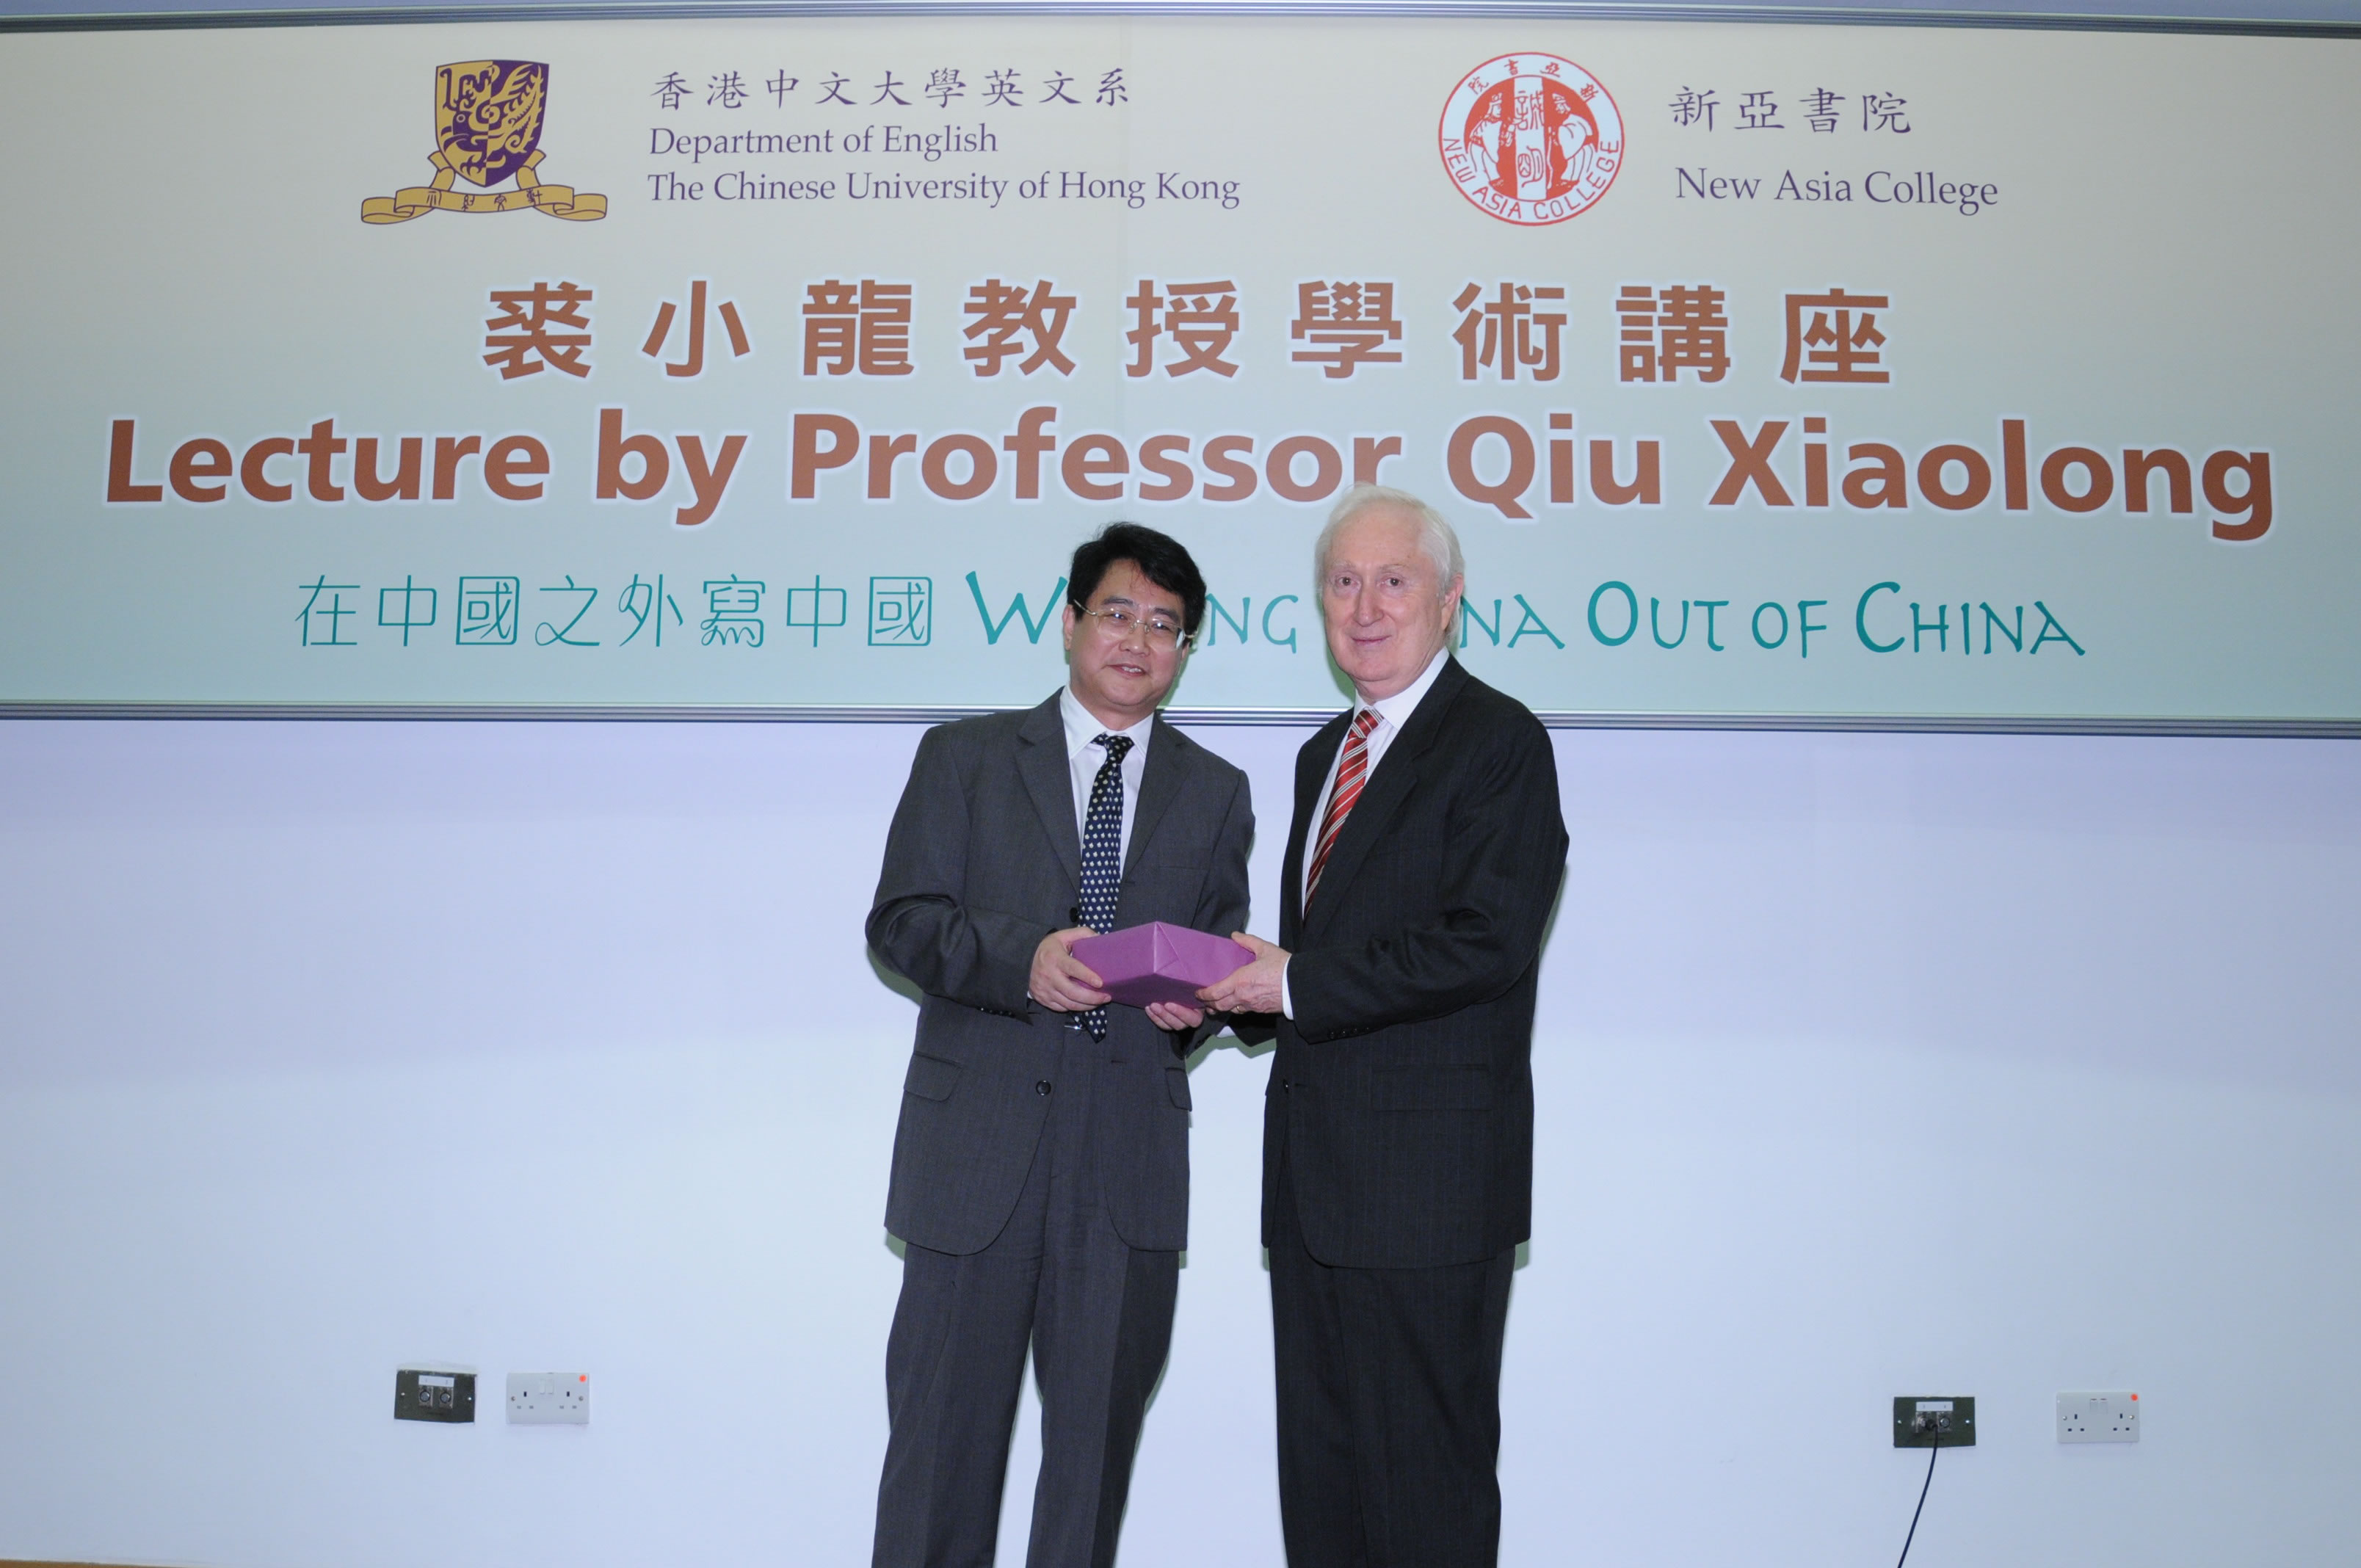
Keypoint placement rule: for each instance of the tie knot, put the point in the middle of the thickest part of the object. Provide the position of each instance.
(1365, 721)
(1118, 747)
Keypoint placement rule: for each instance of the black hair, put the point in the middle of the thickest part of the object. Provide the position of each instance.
(1161, 559)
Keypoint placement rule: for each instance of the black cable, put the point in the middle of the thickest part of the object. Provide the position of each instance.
(1922, 1502)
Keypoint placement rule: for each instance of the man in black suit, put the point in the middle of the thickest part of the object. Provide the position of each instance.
(1041, 1177)
(1398, 1131)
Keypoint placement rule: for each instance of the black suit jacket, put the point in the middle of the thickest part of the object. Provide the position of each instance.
(1401, 1094)
(981, 862)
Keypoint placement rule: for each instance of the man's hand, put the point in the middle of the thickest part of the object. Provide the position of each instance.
(1062, 983)
(1176, 1016)
(1254, 989)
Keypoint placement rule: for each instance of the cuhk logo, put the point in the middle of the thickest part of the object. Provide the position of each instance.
(488, 119)
(1531, 138)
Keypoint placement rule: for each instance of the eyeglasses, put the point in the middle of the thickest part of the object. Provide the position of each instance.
(1162, 635)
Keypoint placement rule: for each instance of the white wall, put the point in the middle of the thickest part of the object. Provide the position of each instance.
(1868, 1065)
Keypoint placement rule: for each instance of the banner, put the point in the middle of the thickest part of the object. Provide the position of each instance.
(1770, 373)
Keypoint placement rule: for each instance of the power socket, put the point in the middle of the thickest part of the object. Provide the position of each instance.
(549, 1399)
(1934, 1421)
(2098, 1418)
(421, 1394)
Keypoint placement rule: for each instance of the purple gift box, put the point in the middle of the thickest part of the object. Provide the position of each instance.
(1158, 962)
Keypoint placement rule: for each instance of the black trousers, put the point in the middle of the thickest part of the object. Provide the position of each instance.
(1389, 1406)
(1098, 1316)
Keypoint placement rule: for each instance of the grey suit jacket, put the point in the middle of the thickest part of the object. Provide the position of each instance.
(983, 861)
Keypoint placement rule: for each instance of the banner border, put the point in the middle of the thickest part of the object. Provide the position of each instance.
(1511, 10)
(743, 713)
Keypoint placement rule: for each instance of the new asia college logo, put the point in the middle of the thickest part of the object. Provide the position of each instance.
(487, 116)
(1531, 138)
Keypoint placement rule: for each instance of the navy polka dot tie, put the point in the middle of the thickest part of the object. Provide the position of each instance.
(1103, 855)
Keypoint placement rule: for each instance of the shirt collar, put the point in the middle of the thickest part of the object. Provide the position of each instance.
(1083, 727)
(1394, 710)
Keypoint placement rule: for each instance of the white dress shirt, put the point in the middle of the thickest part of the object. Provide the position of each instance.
(1085, 756)
(1392, 712)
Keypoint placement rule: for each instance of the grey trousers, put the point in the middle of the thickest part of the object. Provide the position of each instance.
(1098, 1315)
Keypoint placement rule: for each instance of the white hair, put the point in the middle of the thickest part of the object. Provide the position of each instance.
(1435, 538)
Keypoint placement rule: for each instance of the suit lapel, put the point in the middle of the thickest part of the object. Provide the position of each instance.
(1389, 787)
(1312, 765)
(1050, 780)
(1160, 785)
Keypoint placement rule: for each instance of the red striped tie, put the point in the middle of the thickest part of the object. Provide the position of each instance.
(1352, 771)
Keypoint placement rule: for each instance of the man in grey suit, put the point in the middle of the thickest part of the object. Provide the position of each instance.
(1041, 1177)
(1397, 1134)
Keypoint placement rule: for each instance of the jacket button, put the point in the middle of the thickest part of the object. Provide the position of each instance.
(1042, 1087)
(1287, 1084)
